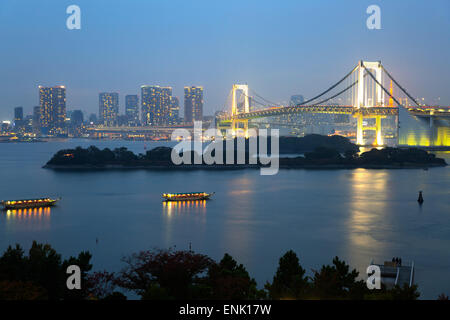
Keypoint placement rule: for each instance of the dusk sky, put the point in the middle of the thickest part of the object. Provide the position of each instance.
(279, 48)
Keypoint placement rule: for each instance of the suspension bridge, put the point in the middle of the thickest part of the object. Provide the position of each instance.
(364, 89)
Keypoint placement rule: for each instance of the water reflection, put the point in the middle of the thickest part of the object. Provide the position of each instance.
(368, 213)
(240, 209)
(32, 218)
(171, 208)
(179, 214)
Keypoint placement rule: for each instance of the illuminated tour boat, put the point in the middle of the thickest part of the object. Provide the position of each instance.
(187, 196)
(28, 203)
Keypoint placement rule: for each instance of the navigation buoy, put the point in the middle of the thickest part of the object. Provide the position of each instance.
(420, 199)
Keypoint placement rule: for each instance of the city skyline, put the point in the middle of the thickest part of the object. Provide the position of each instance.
(199, 153)
(282, 49)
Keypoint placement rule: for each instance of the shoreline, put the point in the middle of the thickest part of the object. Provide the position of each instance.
(237, 167)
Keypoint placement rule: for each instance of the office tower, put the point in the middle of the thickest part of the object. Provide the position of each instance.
(77, 118)
(52, 110)
(37, 119)
(174, 114)
(93, 118)
(156, 103)
(19, 123)
(18, 113)
(132, 109)
(28, 123)
(193, 104)
(108, 108)
(76, 123)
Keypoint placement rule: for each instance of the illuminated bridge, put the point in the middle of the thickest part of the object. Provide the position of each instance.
(363, 87)
(324, 109)
(425, 111)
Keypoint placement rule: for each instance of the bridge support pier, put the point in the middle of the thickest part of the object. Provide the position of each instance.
(360, 129)
(431, 118)
(236, 127)
(378, 137)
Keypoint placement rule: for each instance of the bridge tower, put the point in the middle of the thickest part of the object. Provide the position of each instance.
(239, 124)
(368, 98)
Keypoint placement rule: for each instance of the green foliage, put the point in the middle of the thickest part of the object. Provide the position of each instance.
(42, 271)
(289, 281)
(228, 280)
(178, 273)
(310, 142)
(323, 153)
(92, 156)
(169, 274)
(337, 282)
(20, 290)
(159, 154)
(399, 156)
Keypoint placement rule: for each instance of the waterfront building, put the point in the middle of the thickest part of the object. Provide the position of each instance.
(37, 119)
(18, 113)
(77, 117)
(76, 125)
(155, 105)
(19, 123)
(174, 114)
(193, 104)
(6, 125)
(93, 118)
(108, 108)
(132, 109)
(52, 110)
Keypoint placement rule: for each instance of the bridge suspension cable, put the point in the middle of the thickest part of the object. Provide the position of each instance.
(386, 91)
(259, 102)
(331, 88)
(273, 104)
(268, 101)
(337, 94)
(401, 88)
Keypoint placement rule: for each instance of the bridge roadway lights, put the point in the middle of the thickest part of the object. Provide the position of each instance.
(235, 127)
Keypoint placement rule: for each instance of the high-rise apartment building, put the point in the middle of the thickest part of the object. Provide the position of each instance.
(174, 116)
(108, 108)
(52, 110)
(132, 109)
(156, 103)
(193, 104)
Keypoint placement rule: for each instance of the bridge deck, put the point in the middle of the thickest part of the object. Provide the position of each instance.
(324, 109)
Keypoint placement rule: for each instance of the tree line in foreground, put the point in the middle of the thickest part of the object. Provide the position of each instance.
(170, 274)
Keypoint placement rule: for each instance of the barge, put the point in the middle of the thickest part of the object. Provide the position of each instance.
(187, 196)
(28, 203)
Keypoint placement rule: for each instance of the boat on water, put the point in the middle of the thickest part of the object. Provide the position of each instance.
(28, 203)
(187, 196)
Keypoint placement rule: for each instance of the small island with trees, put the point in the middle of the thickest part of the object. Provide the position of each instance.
(314, 152)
